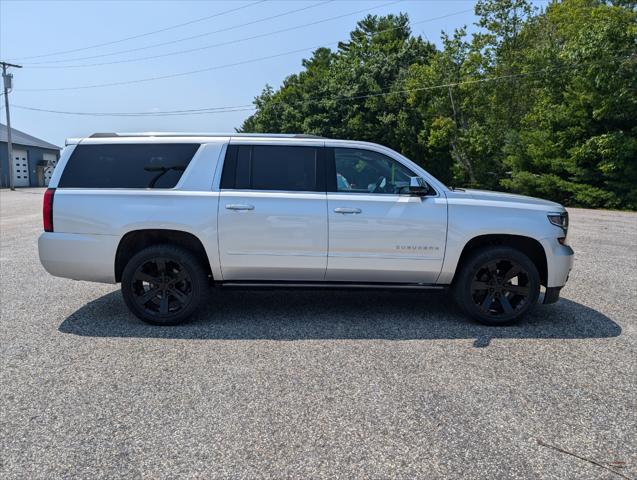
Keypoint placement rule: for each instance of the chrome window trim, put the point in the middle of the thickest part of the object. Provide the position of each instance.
(388, 194)
(249, 190)
(287, 192)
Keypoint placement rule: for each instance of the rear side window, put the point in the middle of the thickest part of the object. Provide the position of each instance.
(272, 167)
(153, 165)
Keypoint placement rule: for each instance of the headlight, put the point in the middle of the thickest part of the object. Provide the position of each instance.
(559, 220)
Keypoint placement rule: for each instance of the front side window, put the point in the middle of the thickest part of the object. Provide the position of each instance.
(271, 167)
(151, 165)
(365, 171)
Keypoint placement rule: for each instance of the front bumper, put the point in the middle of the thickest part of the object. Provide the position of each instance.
(559, 262)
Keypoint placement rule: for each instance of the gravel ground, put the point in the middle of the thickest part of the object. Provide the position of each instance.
(302, 384)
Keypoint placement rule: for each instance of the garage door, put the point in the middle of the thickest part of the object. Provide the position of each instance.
(20, 168)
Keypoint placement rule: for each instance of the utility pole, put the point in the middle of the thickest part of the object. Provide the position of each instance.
(8, 80)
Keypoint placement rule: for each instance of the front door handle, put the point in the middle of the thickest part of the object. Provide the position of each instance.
(345, 210)
(239, 206)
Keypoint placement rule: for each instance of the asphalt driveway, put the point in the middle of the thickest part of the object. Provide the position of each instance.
(318, 384)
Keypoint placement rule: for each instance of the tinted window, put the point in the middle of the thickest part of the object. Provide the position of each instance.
(270, 167)
(243, 175)
(127, 165)
(365, 171)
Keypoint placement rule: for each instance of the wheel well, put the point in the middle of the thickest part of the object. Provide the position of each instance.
(529, 246)
(137, 240)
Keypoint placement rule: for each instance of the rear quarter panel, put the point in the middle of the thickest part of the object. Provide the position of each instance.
(189, 207)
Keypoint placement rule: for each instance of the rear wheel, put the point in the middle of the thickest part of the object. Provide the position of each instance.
(164, 284)
(497, 285)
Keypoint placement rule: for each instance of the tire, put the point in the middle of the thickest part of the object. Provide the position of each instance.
(164, 284)
(486, 291)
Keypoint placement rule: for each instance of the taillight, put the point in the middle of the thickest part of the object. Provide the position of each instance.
(47, 209)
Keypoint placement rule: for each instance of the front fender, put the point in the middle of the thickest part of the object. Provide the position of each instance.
(477, 218)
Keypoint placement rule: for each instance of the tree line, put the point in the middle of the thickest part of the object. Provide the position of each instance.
(538, 102)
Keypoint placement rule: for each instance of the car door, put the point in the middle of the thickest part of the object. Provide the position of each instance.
(272, 218)
(377, 231)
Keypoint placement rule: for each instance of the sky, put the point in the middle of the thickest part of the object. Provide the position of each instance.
(222, 65)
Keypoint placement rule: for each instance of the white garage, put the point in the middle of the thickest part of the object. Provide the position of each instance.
(32, 160)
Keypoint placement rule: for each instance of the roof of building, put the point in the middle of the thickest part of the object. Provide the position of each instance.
(21, 138)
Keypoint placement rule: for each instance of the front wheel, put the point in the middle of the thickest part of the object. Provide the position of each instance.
(164, 284)
(496, 285)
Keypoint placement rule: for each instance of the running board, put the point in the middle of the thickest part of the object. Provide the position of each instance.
(321, 285)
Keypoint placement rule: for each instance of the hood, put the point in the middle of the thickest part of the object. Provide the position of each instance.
(505, 198)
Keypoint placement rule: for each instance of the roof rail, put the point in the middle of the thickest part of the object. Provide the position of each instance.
(103, 135)
(195, 134)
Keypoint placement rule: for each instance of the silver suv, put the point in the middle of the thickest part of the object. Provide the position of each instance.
(170, 215)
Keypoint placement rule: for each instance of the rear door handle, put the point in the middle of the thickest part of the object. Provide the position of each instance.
(345, 210)
(239, 206)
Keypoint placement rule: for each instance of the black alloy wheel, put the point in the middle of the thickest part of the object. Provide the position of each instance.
(500, 287)
(164, 284)
(497, 285)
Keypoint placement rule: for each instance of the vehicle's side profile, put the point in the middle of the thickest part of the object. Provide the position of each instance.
(172, 215)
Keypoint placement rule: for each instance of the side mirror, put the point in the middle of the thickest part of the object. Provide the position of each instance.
(418, 186)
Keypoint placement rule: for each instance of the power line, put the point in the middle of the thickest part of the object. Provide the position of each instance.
(172, 75)
(142, 114)
(231, 42)
(215, 67)
(246, 107)
(172, 42)
(197, 20)
(453, 84)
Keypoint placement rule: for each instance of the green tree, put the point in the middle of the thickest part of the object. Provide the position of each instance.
(354, 92)
(536, 102)
(577, 142)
